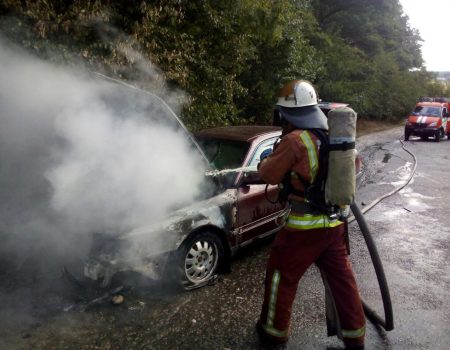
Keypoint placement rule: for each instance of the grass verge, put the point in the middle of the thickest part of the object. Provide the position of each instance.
(367, 126)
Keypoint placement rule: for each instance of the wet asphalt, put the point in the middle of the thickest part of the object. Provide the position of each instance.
(410, 228)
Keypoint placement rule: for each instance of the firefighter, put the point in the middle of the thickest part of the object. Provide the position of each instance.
(309, 235)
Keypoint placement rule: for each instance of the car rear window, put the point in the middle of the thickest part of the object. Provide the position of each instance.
(224, 154)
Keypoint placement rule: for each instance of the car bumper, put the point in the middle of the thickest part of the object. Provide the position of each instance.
(421, 131)
(102, 270)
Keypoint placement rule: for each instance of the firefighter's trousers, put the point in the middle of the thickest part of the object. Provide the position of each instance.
(292, 252)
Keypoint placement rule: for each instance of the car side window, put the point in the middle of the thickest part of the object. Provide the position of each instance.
(263, 146)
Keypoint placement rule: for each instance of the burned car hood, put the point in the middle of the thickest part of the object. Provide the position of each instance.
(167, 234)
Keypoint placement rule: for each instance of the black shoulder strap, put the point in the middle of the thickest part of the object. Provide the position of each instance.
(322, 135)
(323, 155)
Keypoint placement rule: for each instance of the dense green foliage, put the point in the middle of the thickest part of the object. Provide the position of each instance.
(231, 57)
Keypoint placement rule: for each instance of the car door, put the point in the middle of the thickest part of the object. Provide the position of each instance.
(256, 215)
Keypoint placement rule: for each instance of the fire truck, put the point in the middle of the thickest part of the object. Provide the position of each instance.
(429, 119)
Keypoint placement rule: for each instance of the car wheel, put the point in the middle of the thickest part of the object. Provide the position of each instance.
(199, 258)
(406, 136)
(437, 136)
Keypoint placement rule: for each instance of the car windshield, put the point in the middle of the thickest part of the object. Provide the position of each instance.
(427, 110)
(224, 154)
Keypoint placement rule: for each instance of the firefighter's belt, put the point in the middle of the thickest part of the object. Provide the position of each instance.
(304, 208)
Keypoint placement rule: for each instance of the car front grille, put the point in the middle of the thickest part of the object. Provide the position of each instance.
(419, 125)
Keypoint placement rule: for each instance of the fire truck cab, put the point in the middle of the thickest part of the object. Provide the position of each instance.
(429, 119)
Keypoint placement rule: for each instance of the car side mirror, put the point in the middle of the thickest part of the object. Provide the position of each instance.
(251, 178)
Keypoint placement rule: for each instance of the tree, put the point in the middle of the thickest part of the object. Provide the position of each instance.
(370, 54)
(231, 57)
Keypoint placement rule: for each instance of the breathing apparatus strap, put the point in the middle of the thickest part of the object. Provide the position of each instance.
(346, 235)
(314, 192)
(345, 146)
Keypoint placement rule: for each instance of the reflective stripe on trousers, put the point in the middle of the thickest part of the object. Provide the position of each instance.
(346, 333)
(268, 325)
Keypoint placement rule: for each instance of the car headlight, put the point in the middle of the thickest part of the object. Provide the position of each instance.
(432, 124)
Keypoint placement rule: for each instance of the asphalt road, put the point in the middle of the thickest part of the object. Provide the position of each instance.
(411, 230)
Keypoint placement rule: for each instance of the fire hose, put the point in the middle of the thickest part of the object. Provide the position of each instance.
(388, 322)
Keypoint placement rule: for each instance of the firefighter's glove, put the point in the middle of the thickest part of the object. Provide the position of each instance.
(263, 156)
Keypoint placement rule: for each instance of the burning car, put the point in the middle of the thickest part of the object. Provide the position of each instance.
(196, 242)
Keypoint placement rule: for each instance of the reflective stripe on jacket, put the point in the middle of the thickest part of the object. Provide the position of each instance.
(311, 149)
(308, 221)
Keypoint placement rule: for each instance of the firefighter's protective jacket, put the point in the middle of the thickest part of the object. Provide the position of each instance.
(297, 153)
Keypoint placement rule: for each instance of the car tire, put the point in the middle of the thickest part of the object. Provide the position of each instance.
(199, 258)
(406, 136)
(437, 136)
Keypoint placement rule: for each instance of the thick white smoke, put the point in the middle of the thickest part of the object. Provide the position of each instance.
(79, 154)
(119, 173)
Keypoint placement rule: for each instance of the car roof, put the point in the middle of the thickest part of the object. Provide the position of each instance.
(432, 104)
(331, 105)
(238, 133)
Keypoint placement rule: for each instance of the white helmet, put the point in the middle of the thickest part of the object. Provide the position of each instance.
(297, 103)
(297, 93)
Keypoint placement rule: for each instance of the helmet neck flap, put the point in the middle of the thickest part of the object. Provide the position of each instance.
(310, 117)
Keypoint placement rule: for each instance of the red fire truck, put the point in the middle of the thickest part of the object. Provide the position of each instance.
(429, 119)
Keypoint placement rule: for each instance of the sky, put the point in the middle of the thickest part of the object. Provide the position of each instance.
(432, 19)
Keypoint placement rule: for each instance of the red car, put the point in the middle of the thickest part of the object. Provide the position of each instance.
(197, 242)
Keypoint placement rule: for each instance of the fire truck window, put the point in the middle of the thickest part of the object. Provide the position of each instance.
(427, 110)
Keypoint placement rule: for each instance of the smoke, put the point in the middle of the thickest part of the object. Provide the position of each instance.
(79, 154)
